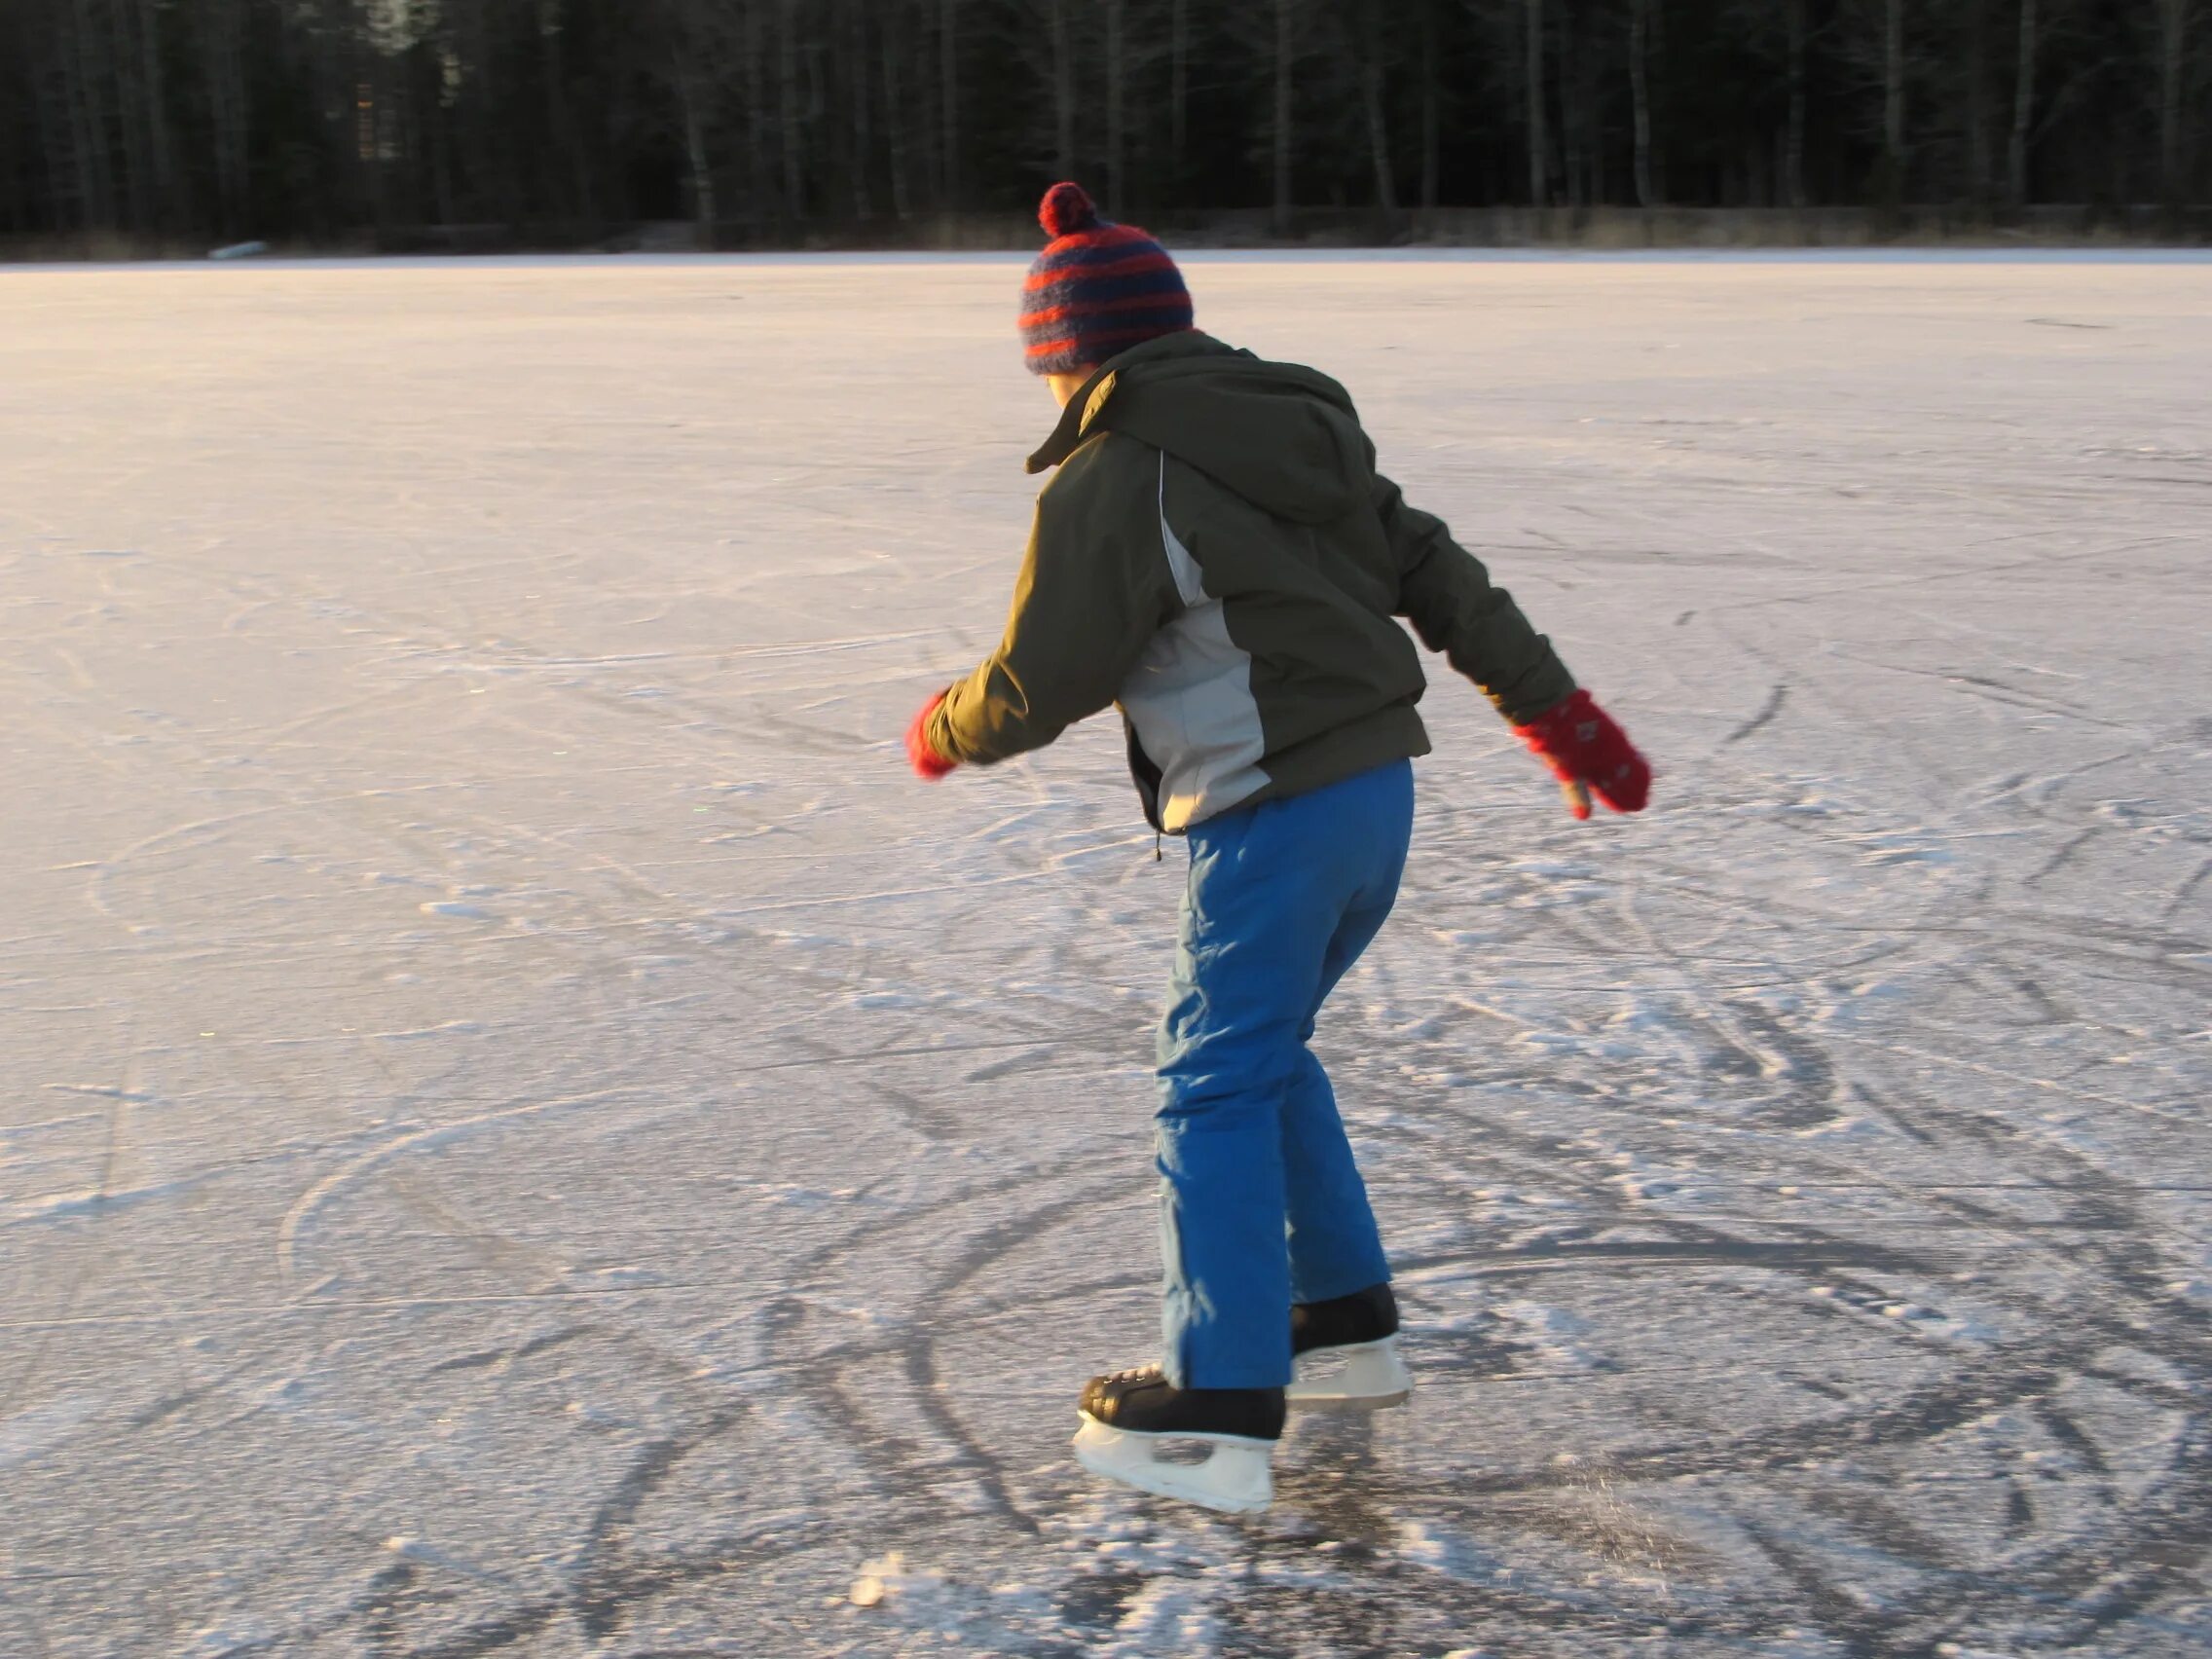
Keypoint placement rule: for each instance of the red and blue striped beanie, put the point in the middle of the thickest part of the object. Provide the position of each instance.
(1097, 290)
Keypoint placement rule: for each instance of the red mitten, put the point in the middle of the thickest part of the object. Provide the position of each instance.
(926, 762)
(1589, 754)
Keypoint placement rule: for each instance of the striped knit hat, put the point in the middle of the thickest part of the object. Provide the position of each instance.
(1097, 290)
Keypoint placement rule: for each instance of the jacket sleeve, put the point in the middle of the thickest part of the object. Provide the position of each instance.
(1094, 589)
(1447, 595)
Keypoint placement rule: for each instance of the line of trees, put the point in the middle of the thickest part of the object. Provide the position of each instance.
(774, 120)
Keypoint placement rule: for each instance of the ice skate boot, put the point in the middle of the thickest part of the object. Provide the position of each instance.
(1131, 1417)
(1346, 1350)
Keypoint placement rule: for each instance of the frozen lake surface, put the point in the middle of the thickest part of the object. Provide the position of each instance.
(524, 1130)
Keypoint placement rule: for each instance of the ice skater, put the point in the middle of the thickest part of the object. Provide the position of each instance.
(1218, 556)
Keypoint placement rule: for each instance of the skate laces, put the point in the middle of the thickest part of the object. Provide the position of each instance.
(1135, 1374)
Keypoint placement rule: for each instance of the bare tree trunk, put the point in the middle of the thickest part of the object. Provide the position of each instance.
(95, 159)
(1893, 91)
(2023, 104)
(1116, 80)
(894, 117)
(1432, 111)
(225, 74)
(1570, 109)
(759, 139)
(1378, 137)
(487, 151)
(412, 143)
(68, 159)
(1280, 216)
(559, 124)
(1593, 123)
(1179, 81)
(389, 128)
(1577, 119)
(1539, 171)
(1794, 154)
(167, 208)
(57, 131)
(695, 150)
(789, 113)
(862, 139)
(361, 172)
(1063, 88)
(948, 101)
(133, 113)
(1979, 166)
(441, 163)
(2174, 40)
(1639, 80)
(821, 131)
(1367, 46)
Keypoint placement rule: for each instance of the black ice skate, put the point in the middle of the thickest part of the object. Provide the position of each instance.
(1130, 1416)
(1345, 1351)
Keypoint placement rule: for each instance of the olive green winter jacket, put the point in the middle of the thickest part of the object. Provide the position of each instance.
(1219, 556)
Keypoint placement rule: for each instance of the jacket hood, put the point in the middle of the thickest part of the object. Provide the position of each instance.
(1283, 437)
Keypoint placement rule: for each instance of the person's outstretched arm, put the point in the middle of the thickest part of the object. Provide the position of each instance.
(1447, 595)
(1094, 588)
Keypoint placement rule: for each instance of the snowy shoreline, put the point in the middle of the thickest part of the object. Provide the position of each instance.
(2118, 257)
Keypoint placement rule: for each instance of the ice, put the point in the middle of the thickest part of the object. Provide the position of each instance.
(522, 1129)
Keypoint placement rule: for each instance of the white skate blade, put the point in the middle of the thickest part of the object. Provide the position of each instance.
(1235, 1478)
(1358, 1377)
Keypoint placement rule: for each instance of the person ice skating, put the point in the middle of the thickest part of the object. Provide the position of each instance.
(1217, 555)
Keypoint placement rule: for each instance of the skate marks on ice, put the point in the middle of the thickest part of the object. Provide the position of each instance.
(543, 1141)
(1893, 1416)
(1827, 1270)
(1956, 1480)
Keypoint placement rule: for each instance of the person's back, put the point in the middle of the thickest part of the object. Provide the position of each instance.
(1217, 555)
(1218, 546)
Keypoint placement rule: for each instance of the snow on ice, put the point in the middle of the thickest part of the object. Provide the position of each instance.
(525, 1131)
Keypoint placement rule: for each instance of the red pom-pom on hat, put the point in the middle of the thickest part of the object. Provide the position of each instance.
(1098, 288)
(1066, 209)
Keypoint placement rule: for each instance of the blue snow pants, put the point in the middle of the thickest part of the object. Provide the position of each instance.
(1261, 1203)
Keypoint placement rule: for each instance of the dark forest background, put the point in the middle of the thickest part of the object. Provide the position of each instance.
(761, 122)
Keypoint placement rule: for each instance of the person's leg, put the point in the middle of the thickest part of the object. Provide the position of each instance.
(1335, 1246)
(1268, 892)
